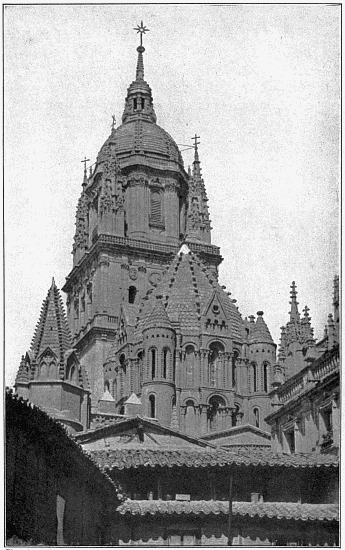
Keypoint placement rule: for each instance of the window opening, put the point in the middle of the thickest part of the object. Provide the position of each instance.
(234, 374)
(165, 363)
(153, 363)
(132, 292)
(255, 380)
(265, 373)
(256, 418)
(156, 206)
(152, 401)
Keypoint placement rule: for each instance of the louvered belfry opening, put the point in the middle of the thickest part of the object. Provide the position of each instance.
(156, 207)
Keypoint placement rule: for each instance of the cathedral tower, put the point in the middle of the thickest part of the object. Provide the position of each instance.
(137, 206)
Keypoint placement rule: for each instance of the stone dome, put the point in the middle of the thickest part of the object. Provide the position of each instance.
(142, 137)
(139, 135)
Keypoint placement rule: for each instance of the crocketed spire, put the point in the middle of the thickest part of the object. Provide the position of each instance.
(23, 375)
(198, 219)
(294, 314)
(52, 329)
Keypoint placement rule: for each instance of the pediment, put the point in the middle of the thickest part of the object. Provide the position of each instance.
(214, 313)
(138, 433)
(47, 353)
(242, 435)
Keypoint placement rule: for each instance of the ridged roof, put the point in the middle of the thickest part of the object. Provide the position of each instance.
(52, 328)
(187, 289)
(259, 331)
(279, 510)
(120, 459)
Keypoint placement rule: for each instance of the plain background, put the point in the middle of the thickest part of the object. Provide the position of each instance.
(258, 83)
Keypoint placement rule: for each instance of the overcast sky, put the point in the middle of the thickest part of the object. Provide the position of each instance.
(258, 83)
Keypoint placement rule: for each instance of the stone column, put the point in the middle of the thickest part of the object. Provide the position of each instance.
(183, 410)
(203, 418)
(336, 422)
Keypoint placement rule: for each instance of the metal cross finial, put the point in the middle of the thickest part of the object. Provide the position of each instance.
(143, 30)
(85, 161)
(196, 142)
(114, 122)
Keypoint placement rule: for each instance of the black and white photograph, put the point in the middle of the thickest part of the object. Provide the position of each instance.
(172, 274)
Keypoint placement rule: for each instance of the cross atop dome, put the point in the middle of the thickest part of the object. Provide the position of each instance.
(142, 30)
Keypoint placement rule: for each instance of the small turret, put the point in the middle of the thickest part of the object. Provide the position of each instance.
(159, 375)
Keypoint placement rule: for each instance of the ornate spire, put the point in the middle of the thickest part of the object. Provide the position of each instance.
(139, 103)
(198, 220)
(52, 329)
(81, 233)
(306, 330)
(294, 314)
(85, 160)
(140, 49)
(22, 374)
(196, 162)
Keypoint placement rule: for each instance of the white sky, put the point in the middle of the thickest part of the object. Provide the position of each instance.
(258, 83)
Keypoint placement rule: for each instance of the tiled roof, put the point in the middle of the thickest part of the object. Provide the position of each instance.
(187, 289)
(37, 423)
(279, 510)
(135, 458)
(158, 316)
(259, 330)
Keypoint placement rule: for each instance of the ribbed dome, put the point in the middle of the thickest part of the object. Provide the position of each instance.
(139, 134)
(141, 137)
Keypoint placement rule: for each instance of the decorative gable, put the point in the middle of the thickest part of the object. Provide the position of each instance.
(214, 315)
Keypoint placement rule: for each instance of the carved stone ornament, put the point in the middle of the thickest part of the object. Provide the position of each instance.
(155, 278)
(106, 199)
(133, 273)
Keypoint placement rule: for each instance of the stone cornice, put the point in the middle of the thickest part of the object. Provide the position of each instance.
(165, 251)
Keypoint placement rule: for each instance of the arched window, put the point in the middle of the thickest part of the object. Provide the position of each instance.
(44, 370)
(153, 363)
(214, 363)
(253, 369)
(190, 357)
(132, 292)
(114, 393)
(234, 416)
(214, 413)
(123, 362)
(166, 353)
(122, 410)
(52, 370)
(190, 418)
(234, 373)
(140, 371)
(265, 377)
(156, 207)
(256, 417)
(152, 403)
